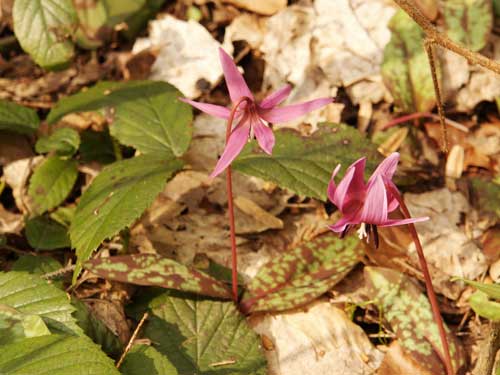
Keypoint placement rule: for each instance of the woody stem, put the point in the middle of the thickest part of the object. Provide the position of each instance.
(230, 206)
(428, 283)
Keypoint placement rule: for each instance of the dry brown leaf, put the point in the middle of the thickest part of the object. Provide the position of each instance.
(14, 147)
(397, 362)
(255, 219)
(265, 7)
(10, 222)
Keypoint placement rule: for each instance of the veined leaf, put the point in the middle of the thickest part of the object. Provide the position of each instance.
(483, 306)
(405, 68)
(144, 359)
(55, 355)
(305, 164)
(16, 118)
(299, 276)
(15, 325)
(45, 234)
(63, 141)
(204, 337)
(117, 196)
(409, 313)
(468, 22)
(154, 270)
(44, 28)
(51, 183)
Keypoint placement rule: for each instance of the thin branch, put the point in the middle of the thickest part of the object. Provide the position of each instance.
(132, 339)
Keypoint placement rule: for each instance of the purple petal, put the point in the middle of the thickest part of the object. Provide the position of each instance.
(276, 97)
(290, 112)
(388, 166)
(375, 205)
(351, 188)
(234, 80)
(237, 141)
(330, 192)
(211, 109)
(394, 222)
(264, 135)
(340, 225)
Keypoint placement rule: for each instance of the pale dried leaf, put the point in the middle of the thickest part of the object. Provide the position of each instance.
(265, 7)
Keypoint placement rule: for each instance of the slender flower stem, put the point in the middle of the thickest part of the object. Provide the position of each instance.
(230, 206)
(428, 283)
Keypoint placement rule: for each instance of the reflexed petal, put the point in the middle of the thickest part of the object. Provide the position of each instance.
(211, 109)
(394, 222)
(387, 167)
(340, 225)
(237, 141)
(375, 204)
(264, 135)
(234, 80)
(290, 112)
(276, 97)
(330, 192)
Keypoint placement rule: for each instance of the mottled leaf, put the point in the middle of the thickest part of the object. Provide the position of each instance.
(16, 118)
(305, 164)
(45, 234)
(409, 313)
(468, 22)
(44, 28)
(15, 325)
(55, 355)
(154, 270)
(144, 359)
(63, 142)
(204, 337)
(51, 183)
(405, 68)
(302, 274)
(483, 306)
(117, 196)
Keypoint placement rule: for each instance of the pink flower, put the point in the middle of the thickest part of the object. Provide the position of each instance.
(252, 118)
(367, 204)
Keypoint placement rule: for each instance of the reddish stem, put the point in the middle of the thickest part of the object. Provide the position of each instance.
(428, 283)
(406, 118)
(230, 206)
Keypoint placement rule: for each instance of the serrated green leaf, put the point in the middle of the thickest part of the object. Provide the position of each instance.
(302, 274)
(204, 337)
(484, 307)
(144, 359)
(405, 68)
(45, 234)
(15, 325)
(305, 164)
(468, 22)
(16, 118)
(37, 264)
(44, 28)
(409, 313)
(51, 183)
(64, 141)
(30, 294)
(55, 355)
(96, 329)
(154, 270)
(117, 196)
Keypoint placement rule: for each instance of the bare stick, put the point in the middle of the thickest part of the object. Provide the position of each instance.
(132, 339)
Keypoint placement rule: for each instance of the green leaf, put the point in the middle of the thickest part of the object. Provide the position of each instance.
(15, 325)
(305, 164)
(138, 21)
(491, 290)
(483, 306)
(496, 9)
(92, 18)
(117, 196)
(55, 355)
(63, 141)
(144, 359)
(96, 329)
(487, 194)
(97, 146)
(51, 183)
(37, 264)
(45, 234)
(30, 294)
(154, 270)
(63, 215)
(468, 22)
(204, 337)
(405, 68)
(302, 274)
(16, 118)
(409, 313)
(44, 28)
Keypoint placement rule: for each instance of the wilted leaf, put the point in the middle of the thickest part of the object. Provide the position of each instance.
(51, 183)
(204, 337)
(409, 314)
(37, 264)
(44, 28)
(405, 68)
(16, 118)
(63, 141)
(117, 196)
(305, 165)
(302, 274)
(483, 306)
(45, 234)
(55, 355)
(154, 270)
(144, 359)
(29, 294)
(15, 325)
(468, 22)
